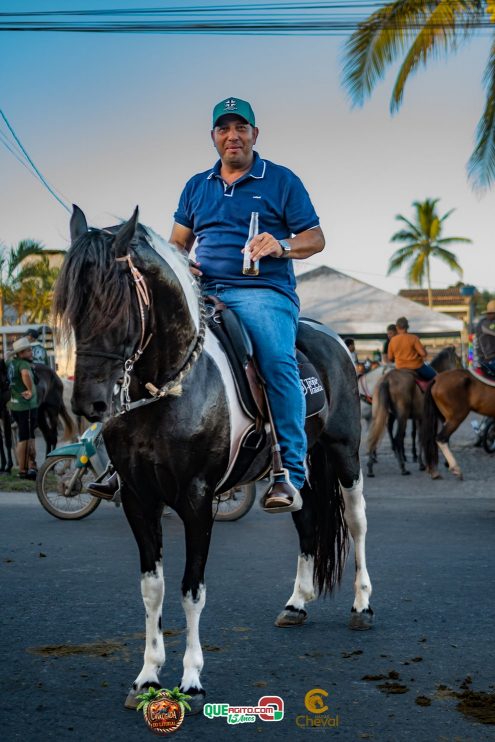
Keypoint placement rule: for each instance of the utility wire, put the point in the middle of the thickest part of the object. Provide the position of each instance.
(315, 18)
(40, 176)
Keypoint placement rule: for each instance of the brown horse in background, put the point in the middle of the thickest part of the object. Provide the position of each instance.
(398, 398)
(450, 398)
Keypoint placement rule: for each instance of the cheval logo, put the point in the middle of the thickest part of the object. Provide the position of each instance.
(268, 708)
(311, 385)
(315, 702)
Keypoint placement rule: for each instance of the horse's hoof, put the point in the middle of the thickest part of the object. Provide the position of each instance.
(196, 702)
(361, 621)
(370, 474)
(436, 475)
(291, 617)
(422, 467)
(132, 702)
(405, 473)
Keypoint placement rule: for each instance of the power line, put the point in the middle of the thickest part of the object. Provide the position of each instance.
(316, 18)
(40, 176)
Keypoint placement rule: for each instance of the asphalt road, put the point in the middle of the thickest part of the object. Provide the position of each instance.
(72, 619)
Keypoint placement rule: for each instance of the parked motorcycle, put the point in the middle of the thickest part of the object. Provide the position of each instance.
(485, 433)
(61, 483)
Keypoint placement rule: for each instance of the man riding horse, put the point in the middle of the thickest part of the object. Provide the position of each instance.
(408, 351)
(485, 338)
(215, 208)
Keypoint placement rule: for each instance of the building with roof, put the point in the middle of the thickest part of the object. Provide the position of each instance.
(354, 308)
(451, 301)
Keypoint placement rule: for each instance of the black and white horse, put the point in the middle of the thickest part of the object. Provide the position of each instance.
(138, 319)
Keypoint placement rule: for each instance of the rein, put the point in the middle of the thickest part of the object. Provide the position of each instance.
(144, 302)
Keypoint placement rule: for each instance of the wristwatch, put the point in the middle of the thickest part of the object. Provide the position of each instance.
(286, 247)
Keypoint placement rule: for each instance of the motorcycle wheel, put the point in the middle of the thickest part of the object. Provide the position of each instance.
(234, 503)
(61, 488)
(489, 438)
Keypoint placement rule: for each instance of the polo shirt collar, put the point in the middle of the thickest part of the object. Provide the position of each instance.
(257, 170)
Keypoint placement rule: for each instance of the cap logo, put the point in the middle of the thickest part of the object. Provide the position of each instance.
(230, 104)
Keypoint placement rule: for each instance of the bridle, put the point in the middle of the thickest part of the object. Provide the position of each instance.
(144, 305)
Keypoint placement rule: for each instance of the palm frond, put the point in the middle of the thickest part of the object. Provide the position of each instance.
(417, 270)
(481, 165)
(400, 257)
(448, 258)
(376, 44)
(404, 236)
(453, 240)
(411, 225)
(441, 31)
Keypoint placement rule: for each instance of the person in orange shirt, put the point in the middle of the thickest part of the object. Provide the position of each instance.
(408, 351)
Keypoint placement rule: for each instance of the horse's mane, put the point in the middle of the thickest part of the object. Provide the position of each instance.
(78, 291)
(79, 284)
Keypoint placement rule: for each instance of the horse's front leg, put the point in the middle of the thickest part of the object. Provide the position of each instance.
(145, 522)
(355, 517)
(198, 525)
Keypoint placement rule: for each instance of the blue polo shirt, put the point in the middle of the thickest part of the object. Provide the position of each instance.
(219, 216)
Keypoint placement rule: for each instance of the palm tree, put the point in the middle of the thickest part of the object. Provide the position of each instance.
(28, 262)
(423, 241)
(418, 30)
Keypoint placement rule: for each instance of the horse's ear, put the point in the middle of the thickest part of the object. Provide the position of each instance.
(126, 234)
(78, 223)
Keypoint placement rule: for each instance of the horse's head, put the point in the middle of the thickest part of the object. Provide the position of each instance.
(93, 300)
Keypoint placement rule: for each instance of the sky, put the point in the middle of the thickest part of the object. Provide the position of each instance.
(115, 121)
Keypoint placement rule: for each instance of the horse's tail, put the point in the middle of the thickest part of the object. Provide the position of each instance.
(330, 529)
(429, 427)
(69, 426)
(380, 416)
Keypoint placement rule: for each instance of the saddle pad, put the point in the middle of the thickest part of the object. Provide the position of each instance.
(314, 393)
(478, 374)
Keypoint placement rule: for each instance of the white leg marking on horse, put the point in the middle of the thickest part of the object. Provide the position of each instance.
(152, 590)
(453, 465)
(355, 517)
(193, 657)
(304, 589)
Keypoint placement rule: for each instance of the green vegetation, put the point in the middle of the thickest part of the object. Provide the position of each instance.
(416, 31)
(27, 281)
(423, 241)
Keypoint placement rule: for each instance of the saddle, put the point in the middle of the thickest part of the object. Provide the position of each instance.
(483, 373)
(250, 386)
(422, 383)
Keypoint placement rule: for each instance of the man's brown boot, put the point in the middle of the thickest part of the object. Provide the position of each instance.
(105, 490)
(281, 497)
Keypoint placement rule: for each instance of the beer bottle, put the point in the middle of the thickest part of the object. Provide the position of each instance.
(251, 267)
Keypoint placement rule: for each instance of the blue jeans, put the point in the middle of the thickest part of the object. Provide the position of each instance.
(426, 372)
(271, 321)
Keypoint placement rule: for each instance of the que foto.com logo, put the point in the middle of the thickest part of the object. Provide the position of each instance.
(315, 703)
(268, 708)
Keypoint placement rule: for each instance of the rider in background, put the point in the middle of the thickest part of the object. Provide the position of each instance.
(485, 338)
(352, 349)
(23, 405)
(391, 332)
(408, 352)
(39, 353)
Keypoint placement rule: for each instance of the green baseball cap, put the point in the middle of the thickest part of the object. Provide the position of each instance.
(234, 106)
